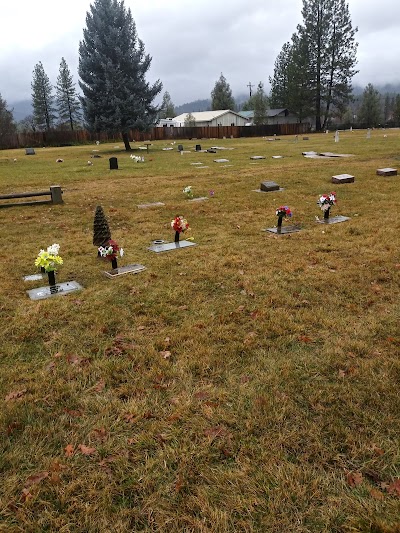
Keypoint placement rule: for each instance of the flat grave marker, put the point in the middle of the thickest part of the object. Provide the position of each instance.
(267, 186)
(159, 246)
(127, 269)
(284, 230)
(342, 178)
(221, 160)
(386, 172)
(332, 220)
(153, 204)
(257, 157)
(60, 289)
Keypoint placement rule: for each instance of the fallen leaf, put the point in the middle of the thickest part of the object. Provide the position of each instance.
(215, 432)
(354, 479)
(377, 450)
(376, 494)
(201, 395)
(394, 488)
(26, 495)
(167, 342)
(15, 395)
(69, 450)
(165, 354)
(73, 359)
(73, 412)
(11, 427)
(99, 434)
(342, 373)
(99, 385)
(178, 485)
(183, 308)
(245, 379)
(35, 479)
(254, 314)
(131, 419)
(141, 328)
(304, 338)
(86, 450)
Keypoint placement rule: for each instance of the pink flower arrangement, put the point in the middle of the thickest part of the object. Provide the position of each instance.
(283, 211)
(326, 201)
(179, 224)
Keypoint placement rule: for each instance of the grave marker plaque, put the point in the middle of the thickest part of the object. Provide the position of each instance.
(386, 172)
(198, 147)
(343, 178)
(267, 186)
(30, 151)
(168, 246)
(257, 157)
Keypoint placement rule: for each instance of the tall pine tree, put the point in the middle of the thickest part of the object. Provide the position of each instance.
(221, 95)
(167, 107)
(370, 114)
(7, 125)
(42, 98)
(69, 108)
(260, 101)
(314, 72)
(112, 67)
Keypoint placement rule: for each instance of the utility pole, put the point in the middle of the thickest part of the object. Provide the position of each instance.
(250, 86)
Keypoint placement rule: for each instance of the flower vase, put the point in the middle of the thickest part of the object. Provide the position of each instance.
(326, 213)
(176, 236)
(279, 227)
(114, 263)
(52, 281)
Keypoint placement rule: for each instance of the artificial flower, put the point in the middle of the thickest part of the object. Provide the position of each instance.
(179, 224)
(326, 201)
(110, 251)
(49, 259)
(283, 211)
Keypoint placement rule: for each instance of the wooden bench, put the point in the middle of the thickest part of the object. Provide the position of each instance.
(55, 194)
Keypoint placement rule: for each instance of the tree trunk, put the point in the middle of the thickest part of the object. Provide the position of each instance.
(125, 138)
(318, 87)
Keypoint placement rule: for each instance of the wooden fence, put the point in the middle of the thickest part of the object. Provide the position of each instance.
(67, 138)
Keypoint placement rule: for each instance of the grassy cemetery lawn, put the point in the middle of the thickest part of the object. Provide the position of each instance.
(249, 383)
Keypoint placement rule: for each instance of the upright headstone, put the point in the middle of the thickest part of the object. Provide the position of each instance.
(113, 163)
(368, 133)
(180, 148)
(386, 172)
(56, 194)
(198, 147)
(337, 136)
(29, 151)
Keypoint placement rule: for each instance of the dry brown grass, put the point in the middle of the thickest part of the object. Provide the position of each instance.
(282, 386)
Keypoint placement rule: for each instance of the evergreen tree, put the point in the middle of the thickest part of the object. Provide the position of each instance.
(101, 230)
(329, 38)
(190, 121)
(315, 70)
(112, 67)
(279, 81)
(249, 104)
(396, 110)
(66, 96)
(167, 107)
(42, 98)
(260, 105)
(221, 95)
(7, 125)
(370, 111)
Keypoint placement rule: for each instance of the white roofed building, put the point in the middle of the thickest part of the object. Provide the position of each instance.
(224, 117)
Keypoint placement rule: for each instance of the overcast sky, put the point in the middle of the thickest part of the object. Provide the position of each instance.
(191, 41)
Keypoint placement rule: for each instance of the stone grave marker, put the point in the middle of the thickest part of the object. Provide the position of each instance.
(180, 148)
(368, 133)
(343, 178)
(332, 220)
(212, 151)
(267, 186)
(257, 157)
(277, 157)
(306, 138)
(113, 163)
(161, 246)
(62, 289)
(336, 136)
(221, 160)
(198, 147)
(386, 172)
(127, 269)
(153, 204)
(30, 151)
